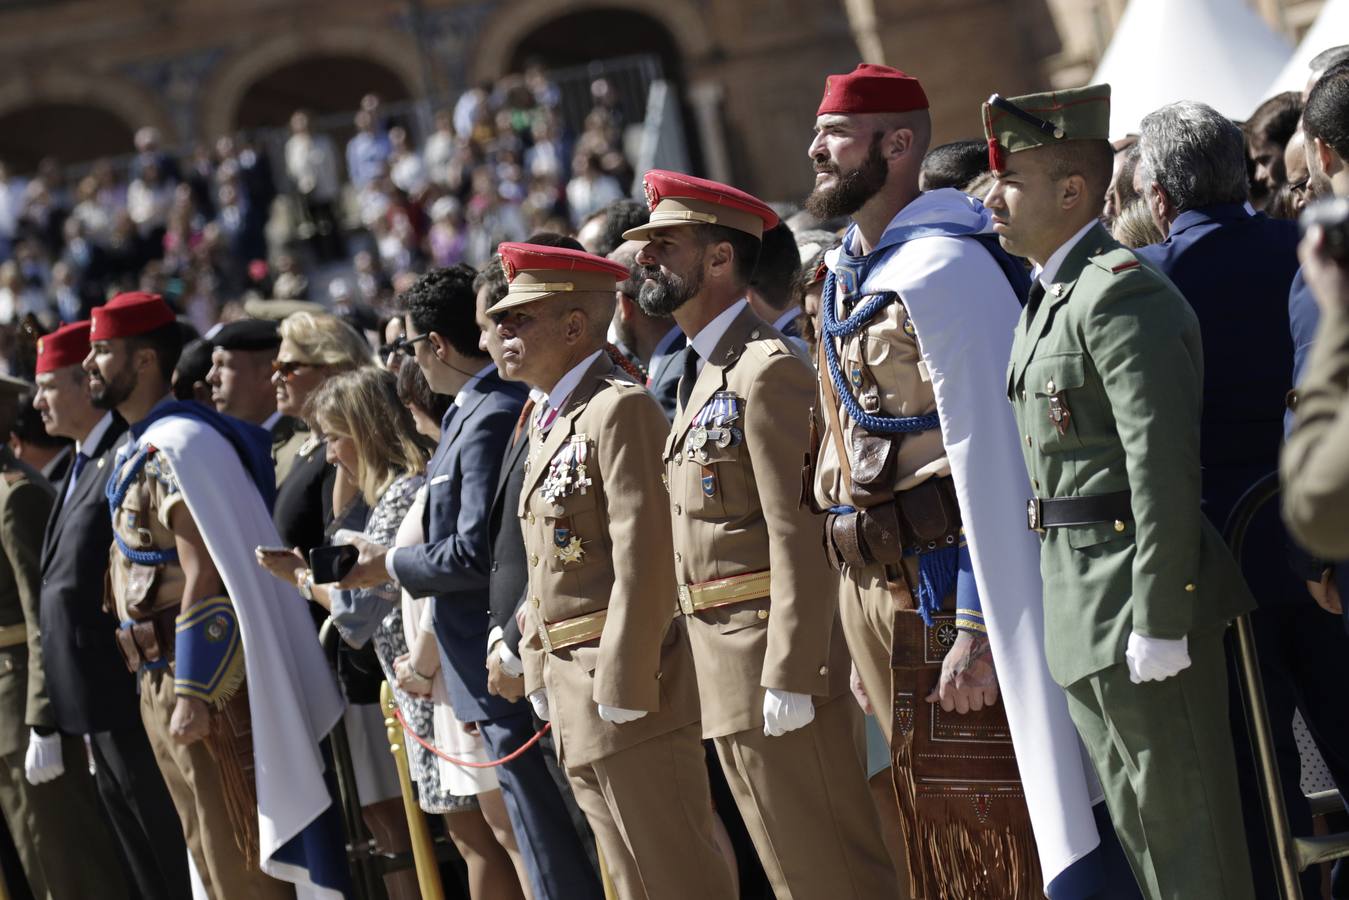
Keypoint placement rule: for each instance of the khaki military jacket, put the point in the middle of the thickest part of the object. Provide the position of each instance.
(1118, 348)
(739, 510)
(882, 362)
(142, 521)
(25, 503)
(288, 436)
(605, 549)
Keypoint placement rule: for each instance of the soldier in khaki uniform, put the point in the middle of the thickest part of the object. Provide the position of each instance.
(51, 808)
(604, 658)
(754, 589)
(1105, 379)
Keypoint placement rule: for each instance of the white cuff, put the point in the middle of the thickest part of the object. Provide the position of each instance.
(388, 564)
(510, 663)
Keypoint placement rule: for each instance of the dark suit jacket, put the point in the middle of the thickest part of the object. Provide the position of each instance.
(454, 565)
(1235, 270)
(87, 682)
(663, 380)
(56, 468)
(304, 500)
(509, 577)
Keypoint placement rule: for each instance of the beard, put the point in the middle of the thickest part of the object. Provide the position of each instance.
(852, 189)
(662, 293)
(109, 393)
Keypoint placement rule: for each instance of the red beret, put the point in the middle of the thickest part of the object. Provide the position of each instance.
(536, 272)
(128, 315)
(677, 199)
(871, 89)
(66, 346)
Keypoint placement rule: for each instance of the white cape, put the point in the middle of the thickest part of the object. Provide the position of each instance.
(964, 312)
(292, 695)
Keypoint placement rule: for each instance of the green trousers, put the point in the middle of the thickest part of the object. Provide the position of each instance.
(1163, 752)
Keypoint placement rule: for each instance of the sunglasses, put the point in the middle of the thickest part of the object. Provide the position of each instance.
(407, 347)
(288, 368)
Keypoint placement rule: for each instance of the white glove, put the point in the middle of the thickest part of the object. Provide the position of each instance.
(785, 711)
(539, 700)
(1155, 659)
(510, 663)
(618, 715)
(43, 761)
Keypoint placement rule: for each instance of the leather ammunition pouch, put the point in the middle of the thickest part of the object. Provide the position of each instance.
(148, 642)
(920, 520)
(142, 588)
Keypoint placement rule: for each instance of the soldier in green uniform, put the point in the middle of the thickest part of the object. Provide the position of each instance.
(1105, 381)
(46, 793)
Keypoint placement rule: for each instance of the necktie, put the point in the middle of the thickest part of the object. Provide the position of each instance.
(690, 376)
(547, 417)
(1037, 293)
(75, 469)
(522, 424)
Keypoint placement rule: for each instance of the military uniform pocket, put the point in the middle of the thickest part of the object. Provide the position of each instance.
(1080, 537)
(716, 487)
(730, 619)
(1056, 383)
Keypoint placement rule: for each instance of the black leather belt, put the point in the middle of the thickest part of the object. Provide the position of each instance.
(1058, 512)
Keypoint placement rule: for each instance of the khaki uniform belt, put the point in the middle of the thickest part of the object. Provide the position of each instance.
(13, 635)
(570, 632)
(723, 592)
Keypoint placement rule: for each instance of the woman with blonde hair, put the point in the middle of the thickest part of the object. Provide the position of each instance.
(372, 436)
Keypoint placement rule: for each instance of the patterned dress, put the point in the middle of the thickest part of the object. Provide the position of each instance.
(390, 643)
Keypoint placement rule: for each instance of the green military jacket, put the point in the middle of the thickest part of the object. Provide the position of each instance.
(25, 502)
(1119, 347)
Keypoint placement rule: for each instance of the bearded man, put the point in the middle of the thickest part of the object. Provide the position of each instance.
(919, 473)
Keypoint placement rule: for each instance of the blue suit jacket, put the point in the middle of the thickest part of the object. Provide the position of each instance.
(1235, 269)
(454, 564)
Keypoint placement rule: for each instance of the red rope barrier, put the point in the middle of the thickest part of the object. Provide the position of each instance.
(398, 714)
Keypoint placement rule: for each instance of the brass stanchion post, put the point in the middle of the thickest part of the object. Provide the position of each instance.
(423, 850)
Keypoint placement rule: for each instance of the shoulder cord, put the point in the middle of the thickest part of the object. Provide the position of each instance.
(855, 322)
(116, 492)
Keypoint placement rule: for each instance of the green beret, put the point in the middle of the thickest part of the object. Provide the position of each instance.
(247, 334)
(1036, 120)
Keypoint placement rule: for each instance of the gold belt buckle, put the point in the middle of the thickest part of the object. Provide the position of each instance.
(686, 600)
(1035, 515)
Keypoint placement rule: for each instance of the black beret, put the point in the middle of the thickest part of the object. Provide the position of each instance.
(247, 334)
(194, 362)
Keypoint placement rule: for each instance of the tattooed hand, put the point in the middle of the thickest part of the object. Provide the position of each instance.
(968, 680)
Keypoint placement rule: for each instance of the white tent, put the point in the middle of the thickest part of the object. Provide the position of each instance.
(1330, 30)
(1219, 52)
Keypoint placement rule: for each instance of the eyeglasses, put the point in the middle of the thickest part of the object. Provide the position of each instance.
(1299, 187)
(408, 347)
(288, 368)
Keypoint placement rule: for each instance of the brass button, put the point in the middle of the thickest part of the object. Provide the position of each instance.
(679, 557)
(1190, 588)
(658, 676)
(533, 559)
(824, 670)
(1050, 388)
(530, 518)
(1119, 526)
(754, 335)
(1028, 443)
(534, 600)
(763, 613)
(679, 510)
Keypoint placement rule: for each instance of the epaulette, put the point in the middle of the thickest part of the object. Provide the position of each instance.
(766, 344)
(1117, 261)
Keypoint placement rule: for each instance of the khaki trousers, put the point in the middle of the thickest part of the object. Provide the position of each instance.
(806, 804)
(651, 810)
(59, 831)
(198, 793)
(867, 611)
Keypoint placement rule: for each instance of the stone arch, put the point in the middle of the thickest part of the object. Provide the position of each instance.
(116, 97)
(221, 99)
(511, 24)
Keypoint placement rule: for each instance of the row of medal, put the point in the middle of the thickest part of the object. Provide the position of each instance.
(715, 425)
(567, 471)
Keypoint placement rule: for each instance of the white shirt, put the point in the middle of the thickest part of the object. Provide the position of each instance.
(787, 318)
(1051, 267)
(705, 342)
(95, 434)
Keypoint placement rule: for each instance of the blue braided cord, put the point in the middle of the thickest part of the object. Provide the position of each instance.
(842, 510)
(937, 571)
(854, 323)
(157, 664)
(116, 492)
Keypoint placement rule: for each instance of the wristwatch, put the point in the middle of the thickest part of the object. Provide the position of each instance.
(306, 584)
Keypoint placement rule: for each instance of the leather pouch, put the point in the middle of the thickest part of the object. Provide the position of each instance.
(146, 636)
(929, 513)
(873, 458)
(142, 583)
(131, 654)
(881, 537)
(843, 543)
